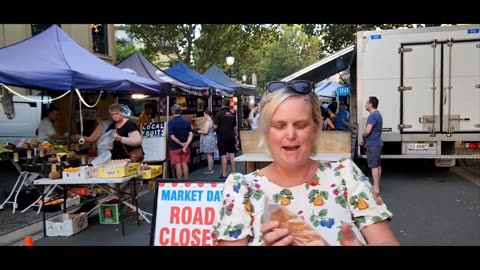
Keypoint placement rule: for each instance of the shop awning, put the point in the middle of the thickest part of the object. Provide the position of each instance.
(326, 67)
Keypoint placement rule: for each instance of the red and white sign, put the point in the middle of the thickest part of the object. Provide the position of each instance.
(185, 213)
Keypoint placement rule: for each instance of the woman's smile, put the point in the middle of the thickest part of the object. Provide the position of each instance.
(291, 148)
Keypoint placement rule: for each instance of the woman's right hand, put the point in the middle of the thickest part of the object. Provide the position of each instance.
(274, 236)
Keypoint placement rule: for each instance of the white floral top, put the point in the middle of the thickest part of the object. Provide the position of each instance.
(339, 192)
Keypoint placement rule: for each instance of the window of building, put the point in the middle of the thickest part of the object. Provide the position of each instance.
(38, 28)
(99, 38)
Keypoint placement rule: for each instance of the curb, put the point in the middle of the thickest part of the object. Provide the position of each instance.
(473, 169)
(467, 171)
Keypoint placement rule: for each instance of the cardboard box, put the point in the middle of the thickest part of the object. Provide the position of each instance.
(118, 172)
(71, 201)
(154, 171)
(113, 213)
(83, 173)
(66, 224)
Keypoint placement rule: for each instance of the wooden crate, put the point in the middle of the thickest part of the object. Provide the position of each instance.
(329, 142)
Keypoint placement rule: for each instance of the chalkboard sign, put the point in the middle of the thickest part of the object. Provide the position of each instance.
(154, 141)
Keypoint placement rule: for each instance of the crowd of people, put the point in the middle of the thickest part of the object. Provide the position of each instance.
(334, 198)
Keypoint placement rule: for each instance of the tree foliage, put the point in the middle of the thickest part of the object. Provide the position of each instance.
(123, 50)
(201, 45)
(339, 36)
(293, 51)
(244, 40)
(175, 41)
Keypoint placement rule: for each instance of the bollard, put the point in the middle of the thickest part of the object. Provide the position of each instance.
(28, 241)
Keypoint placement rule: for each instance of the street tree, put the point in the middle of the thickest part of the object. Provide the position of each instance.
(123, 50)
(339, 36)
(201, 45)
(244, 40)
(293, 50)
(174, 41)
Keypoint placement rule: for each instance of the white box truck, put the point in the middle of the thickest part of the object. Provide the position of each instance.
(22, 124)
(427, 81)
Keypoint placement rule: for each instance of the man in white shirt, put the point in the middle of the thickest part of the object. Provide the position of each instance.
(46, 131)
(253, 117)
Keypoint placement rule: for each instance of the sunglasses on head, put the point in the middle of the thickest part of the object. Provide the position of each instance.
(300, 86)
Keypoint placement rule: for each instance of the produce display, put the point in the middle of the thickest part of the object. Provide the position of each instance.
(117, 163)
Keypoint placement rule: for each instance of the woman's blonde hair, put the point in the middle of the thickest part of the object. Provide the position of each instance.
(270, 103)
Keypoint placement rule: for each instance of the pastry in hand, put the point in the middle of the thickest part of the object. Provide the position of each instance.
(303, 234)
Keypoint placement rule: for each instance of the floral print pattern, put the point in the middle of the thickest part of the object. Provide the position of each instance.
(339, 192)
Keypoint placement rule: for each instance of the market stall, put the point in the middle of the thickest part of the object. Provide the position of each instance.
(193, 106)
(63, 66)
(181, 93)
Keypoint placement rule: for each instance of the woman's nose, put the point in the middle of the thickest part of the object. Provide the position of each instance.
(291, 133)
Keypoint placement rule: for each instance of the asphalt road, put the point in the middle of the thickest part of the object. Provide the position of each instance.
(431, 207)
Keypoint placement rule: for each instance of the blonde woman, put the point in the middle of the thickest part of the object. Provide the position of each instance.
(334, 198)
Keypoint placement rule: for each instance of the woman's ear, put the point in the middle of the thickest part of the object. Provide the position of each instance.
(316, 136)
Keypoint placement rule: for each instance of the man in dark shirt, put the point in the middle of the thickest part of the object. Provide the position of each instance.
(225, 124)
(180, 134)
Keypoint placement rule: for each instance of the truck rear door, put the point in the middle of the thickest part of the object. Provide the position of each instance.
(461, 87)
(420, 87)
(440, 87)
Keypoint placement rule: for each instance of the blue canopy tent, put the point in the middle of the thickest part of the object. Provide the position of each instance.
(52, 60)
(216, 74)
(333, 90)
(327, 90)
(183, 73)
(141, 66)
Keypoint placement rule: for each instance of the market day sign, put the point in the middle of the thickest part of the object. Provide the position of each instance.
(184, 213)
